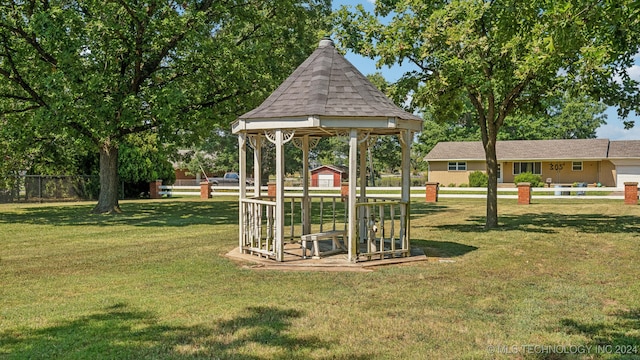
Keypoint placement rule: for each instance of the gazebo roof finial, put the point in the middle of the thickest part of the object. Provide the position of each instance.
(326, 41)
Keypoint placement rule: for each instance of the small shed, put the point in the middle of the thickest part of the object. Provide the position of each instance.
(326, 96)
(329, 175)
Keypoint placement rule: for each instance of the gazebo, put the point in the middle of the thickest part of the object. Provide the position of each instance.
(325, 96)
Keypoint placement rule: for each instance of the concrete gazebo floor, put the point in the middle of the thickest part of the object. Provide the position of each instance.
(337, 262)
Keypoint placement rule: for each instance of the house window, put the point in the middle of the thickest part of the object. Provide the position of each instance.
(532, 167)
(457, 165)
(576, 166)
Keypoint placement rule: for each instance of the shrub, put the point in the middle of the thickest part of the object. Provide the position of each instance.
(451, 185)
(417, 181)
(463, 185)
(478, 179)
(535, 180)
(389, 181)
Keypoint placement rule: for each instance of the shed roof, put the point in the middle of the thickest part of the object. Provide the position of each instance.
(335, 168)
(326, 86)
(568, 149)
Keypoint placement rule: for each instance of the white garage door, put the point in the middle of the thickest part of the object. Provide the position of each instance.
(325, 180)
(627, 173)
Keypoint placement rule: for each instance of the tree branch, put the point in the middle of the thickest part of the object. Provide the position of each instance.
(177, 75)
(139, 40)
(15, 97)
(129, 11)
(84, 131)
(31, 40)
(138, 129)
(151, 66)
(15, 77)
(420, 64)
(247, 36)
(508, 104)
(17, 111)
(217, 101)
(476, 101)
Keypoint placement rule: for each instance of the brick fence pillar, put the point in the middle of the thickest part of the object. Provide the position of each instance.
(271, 190)
(524, 193)
(154, 189)
(631, 193)
(432, 192)
(205, 190)
(344, 190)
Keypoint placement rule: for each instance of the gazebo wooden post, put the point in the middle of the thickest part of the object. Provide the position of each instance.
(257, 166)
(363, 189)
(242, 165)
(279, 239)
(306, 213)
(406, 138)
(405, 142)
(351, 231)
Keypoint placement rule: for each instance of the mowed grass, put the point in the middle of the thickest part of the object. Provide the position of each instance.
(154, 283)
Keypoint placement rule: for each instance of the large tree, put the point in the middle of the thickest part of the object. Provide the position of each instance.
(100, 71)
(501, 55)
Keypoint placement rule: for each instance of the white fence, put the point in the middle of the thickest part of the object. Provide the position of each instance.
(173, 190)
(564, 192)
(419, 192)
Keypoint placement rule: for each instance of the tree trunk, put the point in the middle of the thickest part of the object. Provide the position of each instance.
(492, 186)
(109, 182)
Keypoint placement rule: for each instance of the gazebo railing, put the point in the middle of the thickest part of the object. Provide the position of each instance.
(383, 227)
(327, 212)
(258, 224)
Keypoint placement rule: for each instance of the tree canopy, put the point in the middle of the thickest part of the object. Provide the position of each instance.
(500, 56)
(97, 72)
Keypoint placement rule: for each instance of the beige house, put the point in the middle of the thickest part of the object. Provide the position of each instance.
(591, 161)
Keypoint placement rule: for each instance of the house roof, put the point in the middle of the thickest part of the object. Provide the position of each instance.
(624, 149)
(326, 85)
(569, 149)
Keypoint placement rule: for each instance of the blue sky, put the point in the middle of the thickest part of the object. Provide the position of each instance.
(614, 129)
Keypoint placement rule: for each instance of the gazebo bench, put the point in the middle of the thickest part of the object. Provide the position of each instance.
(325, 235)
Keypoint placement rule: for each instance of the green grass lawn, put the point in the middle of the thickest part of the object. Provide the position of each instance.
(154, 283)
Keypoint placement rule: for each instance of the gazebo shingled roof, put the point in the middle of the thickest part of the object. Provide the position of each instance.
(324, 88)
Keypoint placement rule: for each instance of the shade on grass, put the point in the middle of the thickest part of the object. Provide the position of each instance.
(153, 283)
